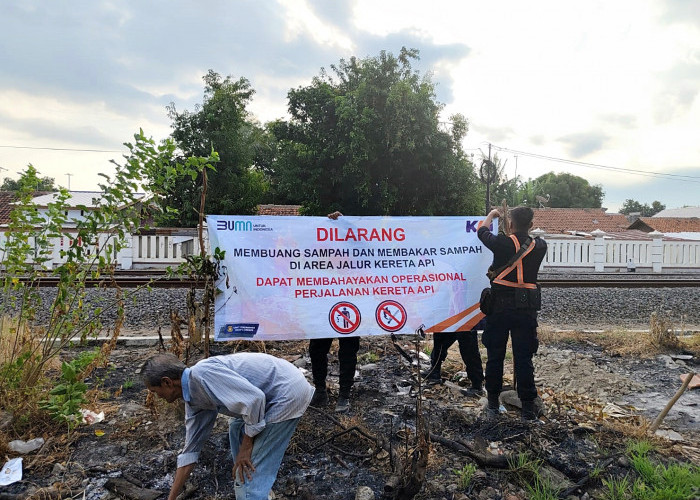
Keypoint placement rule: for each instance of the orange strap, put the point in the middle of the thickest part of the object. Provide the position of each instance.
(518, 264)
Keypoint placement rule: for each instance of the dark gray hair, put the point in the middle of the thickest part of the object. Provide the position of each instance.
(159, 366)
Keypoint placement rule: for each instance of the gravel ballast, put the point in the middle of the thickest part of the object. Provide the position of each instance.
(563, 308)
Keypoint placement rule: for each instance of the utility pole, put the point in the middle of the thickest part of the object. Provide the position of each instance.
(515, 181)
(488, 183)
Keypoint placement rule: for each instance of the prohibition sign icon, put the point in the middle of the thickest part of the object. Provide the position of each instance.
(344, 317)
(391, 316)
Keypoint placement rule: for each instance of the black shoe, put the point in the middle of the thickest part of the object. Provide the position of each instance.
(493, 408)
(492, 414)
(343, 404)
(476, 392)
(320, 398)
(528, 413)
(431, 376)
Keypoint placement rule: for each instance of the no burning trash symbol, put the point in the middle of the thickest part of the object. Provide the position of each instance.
(344, 317)
(391, 316)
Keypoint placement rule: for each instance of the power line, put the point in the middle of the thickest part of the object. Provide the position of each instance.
(679, 177)
(63, 149)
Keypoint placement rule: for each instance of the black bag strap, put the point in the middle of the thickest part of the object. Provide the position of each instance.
(491, 274)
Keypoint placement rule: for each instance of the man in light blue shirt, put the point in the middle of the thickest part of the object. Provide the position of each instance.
(265, 395)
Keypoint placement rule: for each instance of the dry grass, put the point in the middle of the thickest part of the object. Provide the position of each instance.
(659, 340)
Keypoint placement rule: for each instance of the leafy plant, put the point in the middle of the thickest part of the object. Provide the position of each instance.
(68, 396)
(368, 357)
(89, 246)
(465, 475)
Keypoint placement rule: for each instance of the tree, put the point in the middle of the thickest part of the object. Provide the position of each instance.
(220, 123)
(562, 191)
(367, 139)
(42, 184)
(633, 206)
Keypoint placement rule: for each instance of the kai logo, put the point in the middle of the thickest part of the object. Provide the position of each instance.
(473, 226)
(234, 225)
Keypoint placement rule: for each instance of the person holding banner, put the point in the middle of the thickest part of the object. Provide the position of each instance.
(347, 361)
(265, 395)
(515, 302)
(469, 350)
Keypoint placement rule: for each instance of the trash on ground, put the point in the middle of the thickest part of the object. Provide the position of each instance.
(19, 446)
(11, 472)
(669, 434)
(90, 417)
(694, 382)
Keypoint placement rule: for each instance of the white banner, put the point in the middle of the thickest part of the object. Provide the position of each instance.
(289, 278)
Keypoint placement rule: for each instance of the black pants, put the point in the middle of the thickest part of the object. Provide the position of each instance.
(347, 359)
(522, 328)
(468, 349)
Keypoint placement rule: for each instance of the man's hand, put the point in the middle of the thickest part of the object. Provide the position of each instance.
(334, 215)
(181, 475)
(493, 214)
(243, 466)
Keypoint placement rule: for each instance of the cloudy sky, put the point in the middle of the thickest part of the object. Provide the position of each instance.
(605, 90)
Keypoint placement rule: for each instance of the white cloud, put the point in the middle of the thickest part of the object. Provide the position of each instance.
(301, 19)
(614, 83)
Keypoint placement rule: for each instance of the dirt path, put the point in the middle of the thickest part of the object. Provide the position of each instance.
(578, 383)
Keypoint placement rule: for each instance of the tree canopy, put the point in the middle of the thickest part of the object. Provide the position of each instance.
(561, 191)
(366, 139)
(42, 184)
(632, 206)
(222, 124)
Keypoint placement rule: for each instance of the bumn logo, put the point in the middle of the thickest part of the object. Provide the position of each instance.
(234, 225)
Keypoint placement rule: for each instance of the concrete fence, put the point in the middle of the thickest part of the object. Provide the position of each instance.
(605, 254)
(169, 247)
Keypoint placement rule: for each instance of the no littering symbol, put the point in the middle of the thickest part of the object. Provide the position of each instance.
(391, 316)
(344, 317)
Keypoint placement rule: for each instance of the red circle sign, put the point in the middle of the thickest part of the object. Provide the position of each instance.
(344, 317)
(391, 316)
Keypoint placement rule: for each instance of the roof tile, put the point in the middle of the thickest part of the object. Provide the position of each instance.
(673, 224)
(561, 220)
(278, 209)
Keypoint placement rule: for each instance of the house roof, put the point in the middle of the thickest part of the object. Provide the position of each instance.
(636, 234)
(667, 224)
(278, 209)
(679, 212)
(6, 199)
(561, 220)
(85, 198)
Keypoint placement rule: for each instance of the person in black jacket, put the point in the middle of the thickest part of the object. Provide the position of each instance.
(515, 303)
(469, 350)
(347, 361)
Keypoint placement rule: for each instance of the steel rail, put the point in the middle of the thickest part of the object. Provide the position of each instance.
(161, 281)
(619, 283)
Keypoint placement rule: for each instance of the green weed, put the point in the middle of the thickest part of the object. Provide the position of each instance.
(617, 489)
(657, 481)
(465, 475)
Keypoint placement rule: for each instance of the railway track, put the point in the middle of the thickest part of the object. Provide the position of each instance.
(159, 279)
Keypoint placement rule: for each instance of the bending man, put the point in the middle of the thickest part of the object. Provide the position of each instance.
(265, 395)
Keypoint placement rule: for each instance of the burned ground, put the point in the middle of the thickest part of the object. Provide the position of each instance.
(596, 401)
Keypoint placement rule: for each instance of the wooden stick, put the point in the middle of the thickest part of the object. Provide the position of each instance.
(505, 217)
(670, 404)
